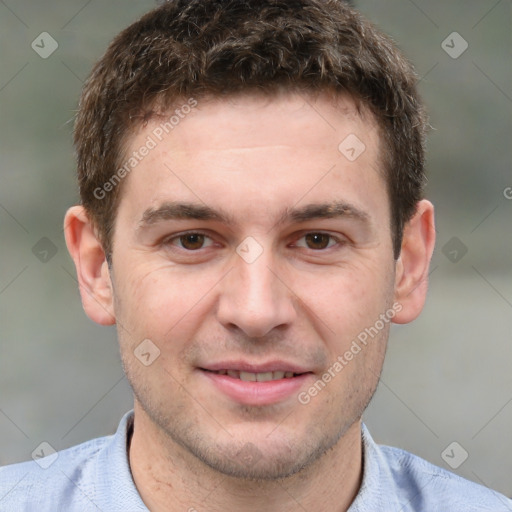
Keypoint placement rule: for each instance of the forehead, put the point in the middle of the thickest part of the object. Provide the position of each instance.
(254, 148)
(258, 119)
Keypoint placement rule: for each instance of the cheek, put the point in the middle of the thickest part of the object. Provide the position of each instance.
(156, 303)
(349, 299)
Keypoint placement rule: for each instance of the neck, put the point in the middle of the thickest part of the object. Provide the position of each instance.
(170, 479)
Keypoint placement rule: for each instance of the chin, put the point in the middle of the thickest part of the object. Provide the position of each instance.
(261, 457)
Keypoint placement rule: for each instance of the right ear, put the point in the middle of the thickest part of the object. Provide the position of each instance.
(91, 266)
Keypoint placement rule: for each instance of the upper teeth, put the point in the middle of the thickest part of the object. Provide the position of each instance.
(259, 377)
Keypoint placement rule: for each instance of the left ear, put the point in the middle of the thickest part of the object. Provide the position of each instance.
(412, 266)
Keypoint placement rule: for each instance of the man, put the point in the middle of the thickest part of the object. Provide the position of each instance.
(251, 178)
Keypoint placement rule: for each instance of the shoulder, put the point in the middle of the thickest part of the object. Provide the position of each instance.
(94, 475)
(51, 479)
(425, 486)
(394, 479)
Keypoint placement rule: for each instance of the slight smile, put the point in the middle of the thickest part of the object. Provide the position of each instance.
(252, 384)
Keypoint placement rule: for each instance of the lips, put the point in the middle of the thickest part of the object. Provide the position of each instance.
(257, 384)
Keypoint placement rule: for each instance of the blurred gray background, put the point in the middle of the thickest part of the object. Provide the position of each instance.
(447, 377)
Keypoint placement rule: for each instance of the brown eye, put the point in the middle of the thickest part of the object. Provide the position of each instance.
(317, 240)
(192, 241)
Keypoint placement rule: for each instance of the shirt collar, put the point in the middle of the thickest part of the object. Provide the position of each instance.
(113, 470)
(377, 491)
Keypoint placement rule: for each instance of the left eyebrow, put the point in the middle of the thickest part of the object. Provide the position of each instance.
(314, 211)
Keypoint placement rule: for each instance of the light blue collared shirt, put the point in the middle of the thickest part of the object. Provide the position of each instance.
(95, 476)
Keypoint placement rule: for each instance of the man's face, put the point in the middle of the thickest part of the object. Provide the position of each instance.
(247, 241)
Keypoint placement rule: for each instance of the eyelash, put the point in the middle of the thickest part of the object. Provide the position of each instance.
(168, 241)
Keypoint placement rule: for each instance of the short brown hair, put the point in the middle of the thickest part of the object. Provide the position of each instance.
(200, 48)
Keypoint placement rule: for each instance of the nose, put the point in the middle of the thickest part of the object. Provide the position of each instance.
(255, 298)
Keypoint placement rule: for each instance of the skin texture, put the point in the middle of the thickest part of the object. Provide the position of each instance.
(252, 158)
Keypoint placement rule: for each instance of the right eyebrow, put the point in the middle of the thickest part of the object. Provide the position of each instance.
(178, 210)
